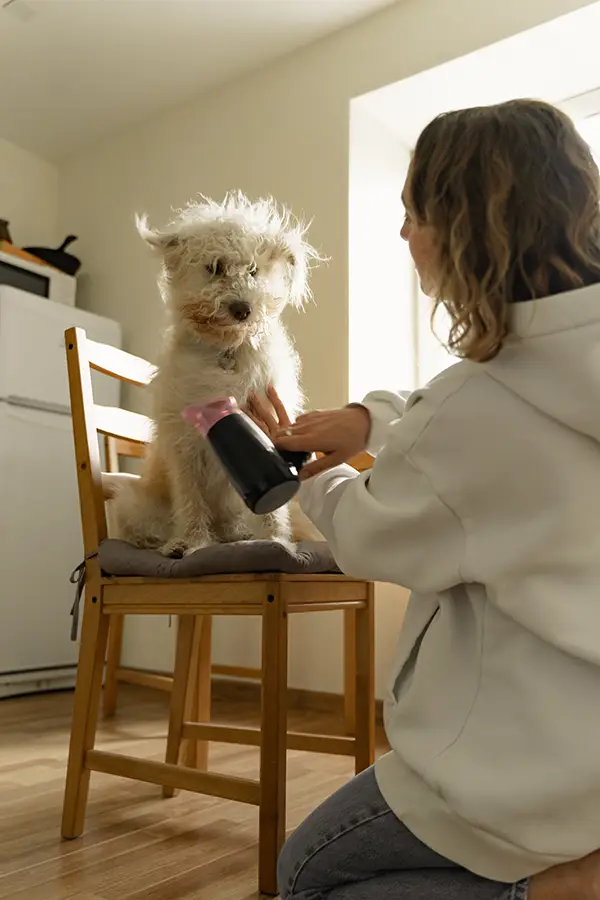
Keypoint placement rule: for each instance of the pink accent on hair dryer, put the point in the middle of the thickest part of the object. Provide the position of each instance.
(204, 415)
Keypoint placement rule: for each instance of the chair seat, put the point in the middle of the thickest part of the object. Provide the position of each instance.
(119, 558)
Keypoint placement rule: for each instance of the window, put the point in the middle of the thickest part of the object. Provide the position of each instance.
(381, 295)
(584, 109)
(432, 356)
(589, 129)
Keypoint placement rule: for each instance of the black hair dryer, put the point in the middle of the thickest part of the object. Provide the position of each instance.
(264, 477)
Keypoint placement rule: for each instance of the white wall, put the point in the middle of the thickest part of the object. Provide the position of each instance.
(28, 196)
(283, 130)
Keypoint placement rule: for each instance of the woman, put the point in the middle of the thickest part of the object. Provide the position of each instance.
(484, 500)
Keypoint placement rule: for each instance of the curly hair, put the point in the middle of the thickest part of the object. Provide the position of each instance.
(512, 193)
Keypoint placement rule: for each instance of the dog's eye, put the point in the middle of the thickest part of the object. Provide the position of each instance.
(253, 270)
(215, 268)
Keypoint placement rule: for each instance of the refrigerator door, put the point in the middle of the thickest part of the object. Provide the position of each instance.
(33, 370)
(41, 540)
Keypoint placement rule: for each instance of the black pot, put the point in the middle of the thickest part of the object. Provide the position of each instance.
(66, 262)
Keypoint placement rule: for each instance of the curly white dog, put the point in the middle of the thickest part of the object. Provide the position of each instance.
(228, 271)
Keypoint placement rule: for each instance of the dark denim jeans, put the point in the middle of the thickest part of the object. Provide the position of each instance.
(353, 847)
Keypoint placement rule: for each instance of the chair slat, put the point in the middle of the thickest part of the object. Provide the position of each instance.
(130, 449)
(362, 462)
(93, 517)
(122, 423)
(119, 364)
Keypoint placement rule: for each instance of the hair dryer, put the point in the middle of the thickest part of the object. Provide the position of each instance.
(264, 477)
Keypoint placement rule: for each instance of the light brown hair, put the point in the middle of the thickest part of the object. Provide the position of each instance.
(512, 195)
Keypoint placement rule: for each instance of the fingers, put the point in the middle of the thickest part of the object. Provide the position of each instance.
(329, 461)
(259, 407)
(302, 427)
(257, 421)
(312, 417)
(280, 410)
(259, 410)
(308, 423)
(296, 441)
(305, 428)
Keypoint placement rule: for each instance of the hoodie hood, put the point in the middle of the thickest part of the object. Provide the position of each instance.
(560, 373)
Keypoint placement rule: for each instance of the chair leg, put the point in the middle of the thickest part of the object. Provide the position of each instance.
(364, 753)
(350, 671)
(273, 739)
(183, 660)
(113, 661)
(92, 654)
(198, 704)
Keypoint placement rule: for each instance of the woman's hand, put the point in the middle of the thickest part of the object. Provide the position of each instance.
(339, 434)
(271, 417)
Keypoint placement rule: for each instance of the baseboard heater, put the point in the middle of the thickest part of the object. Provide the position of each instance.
(39, 681)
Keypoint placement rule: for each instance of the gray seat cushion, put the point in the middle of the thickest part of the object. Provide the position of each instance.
(306, 558)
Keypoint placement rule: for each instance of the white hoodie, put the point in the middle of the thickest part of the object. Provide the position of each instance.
(485, 502)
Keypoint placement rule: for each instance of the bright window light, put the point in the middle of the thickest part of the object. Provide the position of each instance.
(589, 129)
(432, 356)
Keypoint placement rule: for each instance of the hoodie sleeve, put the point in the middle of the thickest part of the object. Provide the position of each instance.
(385, 408)
(388, 524)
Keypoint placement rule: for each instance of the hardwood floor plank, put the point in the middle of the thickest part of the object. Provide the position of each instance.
(136, 845)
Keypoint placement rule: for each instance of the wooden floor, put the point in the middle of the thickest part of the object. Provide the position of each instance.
(137, 846)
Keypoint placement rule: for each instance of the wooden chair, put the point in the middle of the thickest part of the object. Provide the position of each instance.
(116, 449)
(272, 596)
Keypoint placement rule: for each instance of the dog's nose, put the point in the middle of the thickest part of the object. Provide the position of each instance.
(240, 310)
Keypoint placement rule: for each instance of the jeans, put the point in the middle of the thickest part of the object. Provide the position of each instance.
(353, 847)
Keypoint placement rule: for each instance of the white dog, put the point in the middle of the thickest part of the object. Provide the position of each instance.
(228, 271)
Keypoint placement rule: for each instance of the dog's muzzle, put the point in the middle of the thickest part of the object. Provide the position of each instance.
(240, 310)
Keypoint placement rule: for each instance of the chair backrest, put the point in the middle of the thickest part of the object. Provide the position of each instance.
(127, 432)
(119, 448)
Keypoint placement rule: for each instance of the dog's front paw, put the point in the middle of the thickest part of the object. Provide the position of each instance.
(197, 545)
(274, 527)
(174, 548)
(285, 542)
(235, 533)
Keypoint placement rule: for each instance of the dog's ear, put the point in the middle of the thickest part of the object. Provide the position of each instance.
(158, 240)
(298, 254)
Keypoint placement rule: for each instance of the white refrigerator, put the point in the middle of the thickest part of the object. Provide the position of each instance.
(40, 531)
